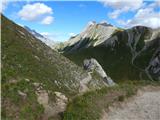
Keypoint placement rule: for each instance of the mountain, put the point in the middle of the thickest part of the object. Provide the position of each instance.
(93, 35)
(37, 82)
(47, 41)
(131, 54)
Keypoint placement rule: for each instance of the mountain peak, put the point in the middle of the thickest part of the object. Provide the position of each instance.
(90, 23)
(93, 35)
(105, 23)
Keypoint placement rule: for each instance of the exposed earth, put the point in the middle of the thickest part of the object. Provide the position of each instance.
(144, 106)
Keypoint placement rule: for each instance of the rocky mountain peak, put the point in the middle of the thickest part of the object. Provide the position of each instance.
(104, 23)
(90, 23)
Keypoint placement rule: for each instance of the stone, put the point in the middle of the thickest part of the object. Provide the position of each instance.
(22, 94)
(92, 64)
(27, 80)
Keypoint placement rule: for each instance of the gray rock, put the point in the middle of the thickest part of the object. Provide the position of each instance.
(22, 94)
(92, 64)
(154, 65)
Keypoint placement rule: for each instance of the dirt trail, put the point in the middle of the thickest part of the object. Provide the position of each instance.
(144, 106)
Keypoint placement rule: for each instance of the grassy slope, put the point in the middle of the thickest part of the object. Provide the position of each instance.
(25, 57)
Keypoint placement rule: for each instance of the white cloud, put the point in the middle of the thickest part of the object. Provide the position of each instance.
(155, 4)
(36, 12)
(120, 6)
(72, 34)
(123, 4)
(33, 11)
(45, 33)
(47, 20)
(48, 35)
(146, 17)
(3, 5)
(145, 14)
(115, 14)
(121, 22)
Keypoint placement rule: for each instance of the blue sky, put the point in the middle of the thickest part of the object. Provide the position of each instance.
(59, 20)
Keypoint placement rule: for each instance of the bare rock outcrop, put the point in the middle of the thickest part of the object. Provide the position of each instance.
(50, 108)
(92, 64)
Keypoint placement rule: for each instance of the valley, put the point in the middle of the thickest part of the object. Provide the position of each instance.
(78, 79)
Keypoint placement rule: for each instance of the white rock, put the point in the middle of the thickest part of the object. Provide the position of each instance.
(36, 84)
(61, 96)
(22, 93)
(27, 80)
(92, 64)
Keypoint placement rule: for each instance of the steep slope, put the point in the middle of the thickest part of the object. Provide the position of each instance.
(36, 81)
(125, 54)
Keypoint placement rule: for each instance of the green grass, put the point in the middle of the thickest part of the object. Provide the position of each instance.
(25, 108)
(90, 105)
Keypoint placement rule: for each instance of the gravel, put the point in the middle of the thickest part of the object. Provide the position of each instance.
(144, 106)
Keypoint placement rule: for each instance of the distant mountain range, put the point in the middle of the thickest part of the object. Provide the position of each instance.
(44, 39)
(132, 54)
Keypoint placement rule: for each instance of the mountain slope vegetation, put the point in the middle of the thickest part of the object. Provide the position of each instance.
(35, 77)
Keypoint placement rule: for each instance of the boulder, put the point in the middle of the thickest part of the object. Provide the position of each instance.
(93, 65)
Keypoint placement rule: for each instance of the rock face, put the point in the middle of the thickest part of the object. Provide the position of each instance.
(92, 64)
(93, 35)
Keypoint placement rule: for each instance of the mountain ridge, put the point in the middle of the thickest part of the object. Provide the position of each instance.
(129, 43)
(92, 31)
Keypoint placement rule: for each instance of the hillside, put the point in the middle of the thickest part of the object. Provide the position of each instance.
(37, 82)
(124, 54)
